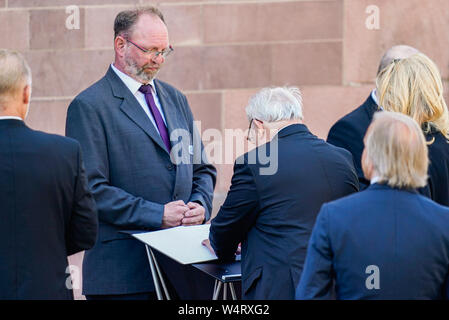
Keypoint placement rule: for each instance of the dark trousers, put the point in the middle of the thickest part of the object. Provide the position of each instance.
(184, 282)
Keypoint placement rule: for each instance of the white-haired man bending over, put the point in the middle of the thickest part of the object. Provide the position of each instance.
(272, 212)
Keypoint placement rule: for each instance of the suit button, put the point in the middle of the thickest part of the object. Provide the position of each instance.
(170, 166)
(175, 197)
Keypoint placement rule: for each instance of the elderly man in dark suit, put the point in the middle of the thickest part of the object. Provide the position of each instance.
(142, 176)
(388, 241)
(46, 210)
(348, 132)
(272, 205)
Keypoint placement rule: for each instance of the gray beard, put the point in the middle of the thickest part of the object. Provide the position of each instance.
(138, 73)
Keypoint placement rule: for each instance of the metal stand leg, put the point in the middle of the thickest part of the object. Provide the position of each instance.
(215, 287)
(231, 287)
(153, 273)
(160, 275)
(225, 291)
(217, 291)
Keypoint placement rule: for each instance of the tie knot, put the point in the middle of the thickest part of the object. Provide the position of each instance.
(146, 88)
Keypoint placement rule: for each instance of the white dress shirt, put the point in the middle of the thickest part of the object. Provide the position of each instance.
(374, 97)
(134, 86)
(10, 117)
(375, 179)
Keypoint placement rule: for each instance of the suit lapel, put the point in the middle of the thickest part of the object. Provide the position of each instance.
(135, 112)
(131, 107)
(174, 121)
(172, 116)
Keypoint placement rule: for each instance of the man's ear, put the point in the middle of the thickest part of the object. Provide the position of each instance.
(259, 124)
(367, 165)
(120, 45)
(26, 95)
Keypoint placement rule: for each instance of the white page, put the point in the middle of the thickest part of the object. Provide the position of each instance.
(182, 244)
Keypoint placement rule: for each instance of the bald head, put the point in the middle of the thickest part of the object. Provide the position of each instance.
(15, 84)
(396, 52)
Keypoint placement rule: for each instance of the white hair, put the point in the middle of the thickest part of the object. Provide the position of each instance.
(275, 104)
(397, 149)
(13, 71)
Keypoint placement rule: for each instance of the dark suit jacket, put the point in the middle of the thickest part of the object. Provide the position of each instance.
(273, 215)
(132, 177)
(46, 210)
(404, 234)
(349, 131)
(438, 168)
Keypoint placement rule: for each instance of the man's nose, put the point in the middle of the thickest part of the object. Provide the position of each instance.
(159, 59)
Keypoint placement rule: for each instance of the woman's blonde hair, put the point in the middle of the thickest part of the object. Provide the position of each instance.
(413, 86)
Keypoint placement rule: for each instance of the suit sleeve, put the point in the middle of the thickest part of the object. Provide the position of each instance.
(237, 215)
(316, 279)
(204, 173)
(83, 225)
(115, 206)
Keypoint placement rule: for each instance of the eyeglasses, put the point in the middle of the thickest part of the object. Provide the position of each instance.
(249, 130)
(153, 52)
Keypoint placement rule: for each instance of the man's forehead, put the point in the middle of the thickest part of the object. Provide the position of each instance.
(150, 31)
(147, 23)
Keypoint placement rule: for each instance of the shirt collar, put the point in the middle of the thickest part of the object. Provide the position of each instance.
(374, 96)
(129, 82)
(375, 179)
(10, 117)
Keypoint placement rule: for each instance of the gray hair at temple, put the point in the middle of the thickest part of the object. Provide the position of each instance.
(15, 72)
(275, 104)
(397, 150)
(396, 53)
(125, 20)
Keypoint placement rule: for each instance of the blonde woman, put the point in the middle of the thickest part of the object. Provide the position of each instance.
(413, 86)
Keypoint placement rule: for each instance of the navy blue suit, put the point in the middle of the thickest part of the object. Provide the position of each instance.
(273, 215)
(349, 131)
(132, 177)
(404, 234)
(46, 211)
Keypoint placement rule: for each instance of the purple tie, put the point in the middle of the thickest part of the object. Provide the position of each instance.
(146, 90)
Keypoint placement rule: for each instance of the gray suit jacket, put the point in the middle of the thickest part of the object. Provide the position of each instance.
(132, 176)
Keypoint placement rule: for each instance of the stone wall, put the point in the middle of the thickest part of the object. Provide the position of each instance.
(225, 50)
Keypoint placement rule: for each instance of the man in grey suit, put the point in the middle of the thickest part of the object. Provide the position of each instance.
(143, 177)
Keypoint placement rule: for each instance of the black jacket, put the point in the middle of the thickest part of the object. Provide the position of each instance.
(438, 168)
(46, 210)
(273, 214)
(349, 131)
